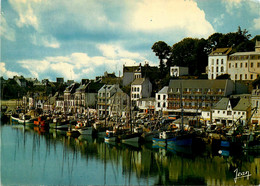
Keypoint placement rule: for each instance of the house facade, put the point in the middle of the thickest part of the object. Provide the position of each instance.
(244, 65)
(255, 105)
(217, 62)
(229, 111)
(161, 102)
(140, 88)
(104, 101)
(194, 95)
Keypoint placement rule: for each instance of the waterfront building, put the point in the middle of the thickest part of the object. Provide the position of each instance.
(198, 94)
(255, 102)
(140, 88)
(245, 65)
(119, 105)
(229, 111)
(104, 101)
(146, 105)
(217, 62)
(69, 101)
(178, 71)
(161, 103)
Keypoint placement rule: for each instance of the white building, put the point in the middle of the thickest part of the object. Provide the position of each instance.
(161, 100)
(231, 110)
(244, 66)
(140, 88)
(217, 62)
(179, 71)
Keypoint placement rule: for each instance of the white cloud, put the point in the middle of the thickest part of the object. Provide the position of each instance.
(6, 73)
(115, 51)
(25, 12)
(219, 21)
(161, 15)
(44, 40)
(79, 65)
(256, 23)
(5, 30)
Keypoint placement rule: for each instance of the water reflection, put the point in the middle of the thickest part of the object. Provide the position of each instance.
(30, 156)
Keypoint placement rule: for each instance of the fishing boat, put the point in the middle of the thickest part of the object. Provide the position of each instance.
(42, 122)
(182, 137)
(131, 137)
(22, 120)
(180, 140)
(163, 137)
(111, 136)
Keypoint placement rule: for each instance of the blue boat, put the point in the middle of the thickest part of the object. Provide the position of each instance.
(225, 144)
(160, 142)
(180, 141)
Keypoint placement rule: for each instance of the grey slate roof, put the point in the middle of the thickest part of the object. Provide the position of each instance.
(240, 104)
(199, 83)
(138, 81)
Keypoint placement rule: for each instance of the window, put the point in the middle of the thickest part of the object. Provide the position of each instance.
(229, 65)
(222, 61)
(246, 65)
(252, 65)
(212, 61)
(164, 105)
(217, 61)
(245, 76)
(222, 69)
(216, 69)
(164, 97)
(229, 113)
(235, 65)
(159, 104)
(258, 65)
(235, 112)
(238, 113)
(240, 76)
(159, 97)
(224, 112)
(252, 76)
(241, 65)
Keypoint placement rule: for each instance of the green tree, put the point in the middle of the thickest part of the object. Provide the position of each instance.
(162, 50)
(191, 53)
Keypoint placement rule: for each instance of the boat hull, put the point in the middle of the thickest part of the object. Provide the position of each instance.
(131, 139)
(160, 142)
(176, 141)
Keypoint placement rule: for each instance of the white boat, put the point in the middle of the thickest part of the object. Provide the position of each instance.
(21, 121)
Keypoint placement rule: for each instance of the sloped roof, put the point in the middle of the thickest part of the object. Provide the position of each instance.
(198, 83)
(164, 90)
(221, 51)
(241, 104)
(138, 81)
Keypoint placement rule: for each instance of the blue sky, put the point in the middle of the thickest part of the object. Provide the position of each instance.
(84, 38)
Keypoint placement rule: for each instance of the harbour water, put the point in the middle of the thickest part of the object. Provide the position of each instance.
(33, 157)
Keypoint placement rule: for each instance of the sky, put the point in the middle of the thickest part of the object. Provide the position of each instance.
(81, 39)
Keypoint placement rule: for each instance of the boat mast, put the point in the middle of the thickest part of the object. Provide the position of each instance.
(181, 108)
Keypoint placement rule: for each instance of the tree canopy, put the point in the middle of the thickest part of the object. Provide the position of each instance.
(193, 52)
